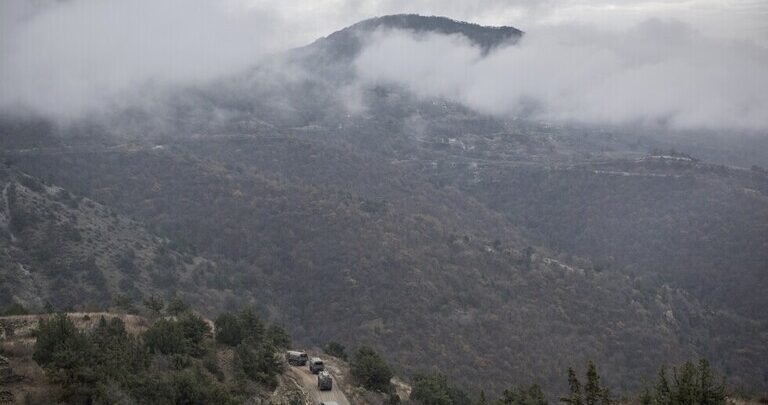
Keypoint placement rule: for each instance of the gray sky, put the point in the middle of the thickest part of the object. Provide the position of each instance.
(741, 19)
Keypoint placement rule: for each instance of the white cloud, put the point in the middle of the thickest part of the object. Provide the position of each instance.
(64, 58)
(654, 72)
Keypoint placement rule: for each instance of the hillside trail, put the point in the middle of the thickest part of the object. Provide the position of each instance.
(308, 382)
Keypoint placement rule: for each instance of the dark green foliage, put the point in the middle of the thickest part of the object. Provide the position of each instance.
(86, 365)
(532, 395)
(336, 349)
(256, 355)
(166, 337)
(574, 385)
(189, 386)
(370, 370)
(67, 356)
(689, 385)
(182, 336)
(231, 329)
(14, 309)
(277, 336)
(154, 304)
(482, 400)
(434, 389)
(125, 303)
(592, 393)
(177, 306)
(108, 365)
(252, 326)
(645, 397)
(261, 363)
(194, 330)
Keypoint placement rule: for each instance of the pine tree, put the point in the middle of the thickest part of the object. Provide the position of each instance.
(646, 398)
(595, 394)
(592, 391)
(686, 390)
(663, 393)
(252, 326)
(575, 387)
(710, 393)
(482, 400)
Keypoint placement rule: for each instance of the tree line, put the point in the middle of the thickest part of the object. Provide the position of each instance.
(175, 361)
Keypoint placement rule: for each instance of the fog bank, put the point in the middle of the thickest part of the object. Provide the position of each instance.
(65, 58)
(657, 72)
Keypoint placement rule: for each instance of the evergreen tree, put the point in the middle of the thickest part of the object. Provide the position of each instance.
(154, 304)
(177, 306)
(710, 393)
(253, 327)
(686, 390)
(663, 392)
(67, 356)
(229, 329)
(575, 397)
(277, 336)
(259, 364)
(370, 370)
(594, 394)
(434, 389)
(532, 395)
(482, 400)
(690, 385)
(645, 397)
(336, 349)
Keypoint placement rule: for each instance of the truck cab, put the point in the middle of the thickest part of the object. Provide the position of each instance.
(316, 365)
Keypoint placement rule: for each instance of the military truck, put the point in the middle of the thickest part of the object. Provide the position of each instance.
(324, 381)
(316, 365)
(296, 358)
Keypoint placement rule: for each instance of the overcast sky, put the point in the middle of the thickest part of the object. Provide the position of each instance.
(741, 19)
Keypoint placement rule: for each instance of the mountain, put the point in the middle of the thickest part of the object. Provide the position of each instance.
(498, 251)
(345, 44)
(62, 249)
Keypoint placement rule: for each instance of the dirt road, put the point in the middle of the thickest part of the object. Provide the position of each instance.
(308, 383)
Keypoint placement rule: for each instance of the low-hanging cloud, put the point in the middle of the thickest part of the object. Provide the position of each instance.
(657, 72)
(67, 58)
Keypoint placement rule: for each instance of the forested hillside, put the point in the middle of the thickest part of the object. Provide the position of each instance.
(492, 250)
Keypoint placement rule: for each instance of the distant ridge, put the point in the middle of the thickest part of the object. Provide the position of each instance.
(346, 43)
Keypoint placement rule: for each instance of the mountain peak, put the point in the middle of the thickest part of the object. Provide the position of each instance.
(347, 42)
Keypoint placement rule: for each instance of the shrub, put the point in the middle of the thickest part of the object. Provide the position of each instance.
(229, 329)
(14, 309)
(370, 370)
(260, 364)
(278, 336)
(336, 349)
(165, 337)
(232, 329)
(434, 389)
